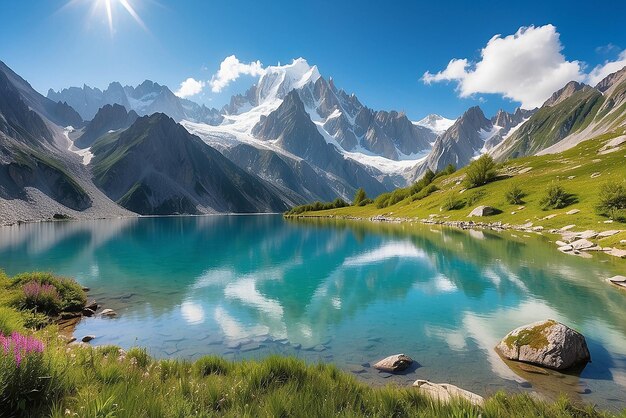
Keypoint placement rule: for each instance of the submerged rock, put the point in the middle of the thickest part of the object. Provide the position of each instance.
(445, 392)
(395, 363)
(545, 343)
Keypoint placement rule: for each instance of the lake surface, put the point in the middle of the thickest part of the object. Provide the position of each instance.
(346, 293)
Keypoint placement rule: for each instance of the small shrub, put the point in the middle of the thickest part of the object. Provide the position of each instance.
(450, 168)
(612, 200)
(514, 195)
(382, 201)
(480, 171)
(452, 202)
(41, 297)
(360, 197)
(555, 198)
(315, 206)
(72, 297)
(426, 191)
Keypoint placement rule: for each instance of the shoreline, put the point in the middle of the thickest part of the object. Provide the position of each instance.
(568, 236)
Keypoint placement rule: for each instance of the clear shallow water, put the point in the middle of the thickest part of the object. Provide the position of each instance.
(347, 293)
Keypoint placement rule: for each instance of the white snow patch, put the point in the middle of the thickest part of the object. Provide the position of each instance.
(436, 123)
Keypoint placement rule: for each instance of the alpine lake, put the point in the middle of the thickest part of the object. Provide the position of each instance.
(348, 293)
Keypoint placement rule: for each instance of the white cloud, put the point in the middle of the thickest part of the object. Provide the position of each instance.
(599, 72)
(527, 67)
(190, 87)
(230, 70)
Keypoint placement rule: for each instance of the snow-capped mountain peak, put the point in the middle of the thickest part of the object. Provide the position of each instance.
(436, 123)
(281, 79)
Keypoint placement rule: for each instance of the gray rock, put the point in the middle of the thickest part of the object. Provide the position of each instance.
(572, 212)
(109, 313)
(445, 392)
(582, 244)
(545, 343)
(588, 234)
(482, 211)
(395, 363)
(610, 233)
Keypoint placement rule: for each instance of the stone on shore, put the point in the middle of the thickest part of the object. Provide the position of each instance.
(394, 364)
(547, 343)
(482, 211)
(445, 392)
(582, 244)
(618, 281)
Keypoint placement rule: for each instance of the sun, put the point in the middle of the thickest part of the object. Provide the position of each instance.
(109, 8)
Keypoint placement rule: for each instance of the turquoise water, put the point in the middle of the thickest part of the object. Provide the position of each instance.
(347, 293)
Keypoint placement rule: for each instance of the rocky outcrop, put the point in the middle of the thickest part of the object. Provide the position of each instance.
(482, 211)
(445, 392)
(546, 343)
(109, 118)
(394, 364)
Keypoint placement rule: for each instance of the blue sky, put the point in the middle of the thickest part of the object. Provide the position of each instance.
(377, 49)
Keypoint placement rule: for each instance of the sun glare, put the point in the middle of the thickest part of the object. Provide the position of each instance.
(108, 9)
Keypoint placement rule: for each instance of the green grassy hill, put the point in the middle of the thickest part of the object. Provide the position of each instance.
(581, 171)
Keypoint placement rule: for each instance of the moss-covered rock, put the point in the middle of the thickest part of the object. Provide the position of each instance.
(546, 343)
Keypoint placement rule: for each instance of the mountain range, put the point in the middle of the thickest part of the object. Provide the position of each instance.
(291, 138)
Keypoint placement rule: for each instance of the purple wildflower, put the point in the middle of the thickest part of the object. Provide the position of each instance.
(35, 290)
(20, 346)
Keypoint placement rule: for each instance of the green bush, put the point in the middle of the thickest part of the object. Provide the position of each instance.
(426, 191)
(514, 195)
(452, 202)
(555, 198)
(450, 168)
(360, 197)
(382, 201)
(480, 171)
(316, 206)
(72, 297)
(612, 200)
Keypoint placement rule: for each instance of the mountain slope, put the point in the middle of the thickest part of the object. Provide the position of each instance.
(57, 112)
(157, 167)
(571, 115)
(109, 118)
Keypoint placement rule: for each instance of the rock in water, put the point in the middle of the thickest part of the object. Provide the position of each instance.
(545, 343)
(482, 211)
(445, 392)
(88, 338)
(393, 364)
(108, 312)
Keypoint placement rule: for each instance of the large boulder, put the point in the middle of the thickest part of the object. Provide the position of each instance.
(445, 392)
(393, 364)
(545, 343)
(483, 211)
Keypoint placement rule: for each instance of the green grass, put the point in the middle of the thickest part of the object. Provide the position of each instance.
(571, 169)
(105, 381)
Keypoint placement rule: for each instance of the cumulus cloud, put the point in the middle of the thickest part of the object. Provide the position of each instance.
(230, 70)
(527, 67)
(190, 87)
(599, 72)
